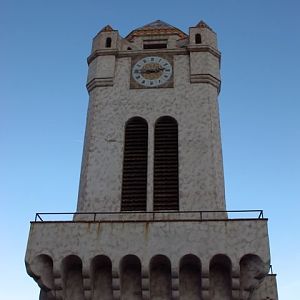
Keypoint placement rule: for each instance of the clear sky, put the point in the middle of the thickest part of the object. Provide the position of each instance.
(44, 45)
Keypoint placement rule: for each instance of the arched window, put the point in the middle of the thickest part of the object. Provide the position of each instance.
(198, 39)
(166, 164)
(108, 42)
(134, 186)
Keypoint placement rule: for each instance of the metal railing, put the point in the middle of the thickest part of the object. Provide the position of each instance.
(141, 216)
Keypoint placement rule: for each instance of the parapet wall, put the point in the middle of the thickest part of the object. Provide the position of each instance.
(68, 246)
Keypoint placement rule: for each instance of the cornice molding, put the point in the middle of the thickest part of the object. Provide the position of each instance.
(99, 82)
(206, 78)
(131, 53)
(148, 52)
(101, 52)
(204, 48)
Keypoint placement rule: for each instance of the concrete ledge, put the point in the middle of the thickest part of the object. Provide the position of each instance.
(234, 238)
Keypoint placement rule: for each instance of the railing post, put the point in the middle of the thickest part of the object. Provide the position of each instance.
(261, 214)
(37, 215)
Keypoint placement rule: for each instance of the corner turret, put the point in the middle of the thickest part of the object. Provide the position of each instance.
(204, 56)
(201, 35)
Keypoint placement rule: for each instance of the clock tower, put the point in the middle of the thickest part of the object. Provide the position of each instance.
(167, 82)
(151, 221)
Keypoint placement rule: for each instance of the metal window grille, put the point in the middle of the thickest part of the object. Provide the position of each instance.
(134, 185)
(166, 164)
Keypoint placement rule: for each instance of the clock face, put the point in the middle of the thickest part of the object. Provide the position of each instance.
(152, 71)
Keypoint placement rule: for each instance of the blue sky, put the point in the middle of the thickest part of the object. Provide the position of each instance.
(44, 45)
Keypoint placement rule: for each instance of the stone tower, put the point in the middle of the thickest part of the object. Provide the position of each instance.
(151, 221)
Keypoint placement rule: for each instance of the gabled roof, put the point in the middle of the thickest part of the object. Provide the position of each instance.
(202, 24)
(107, 28)
(157, 27)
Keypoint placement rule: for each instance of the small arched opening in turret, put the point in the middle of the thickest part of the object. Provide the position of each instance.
(101, 277)
(190, 278)
(108, 42)
(198, 38)
(160, 278)
(131, 278)
(220, 283)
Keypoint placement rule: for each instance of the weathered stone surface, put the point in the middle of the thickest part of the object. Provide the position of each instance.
(267, 290)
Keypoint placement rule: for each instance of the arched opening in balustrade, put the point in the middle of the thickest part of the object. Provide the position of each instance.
(101, 277)
(252, 270)
(134, 182)
(41, 268)
(220, 283)
(160, 278)
(190, 278)
(72, 278)
(131, 278)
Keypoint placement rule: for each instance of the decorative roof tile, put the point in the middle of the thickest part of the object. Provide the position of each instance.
(157, 27)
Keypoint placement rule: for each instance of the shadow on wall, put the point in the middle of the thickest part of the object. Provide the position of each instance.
(133, 282)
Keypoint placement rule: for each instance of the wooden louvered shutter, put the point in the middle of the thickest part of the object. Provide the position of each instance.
(166, 164)
(134, 186)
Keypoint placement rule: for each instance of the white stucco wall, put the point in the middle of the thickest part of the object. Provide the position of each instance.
(194, 106)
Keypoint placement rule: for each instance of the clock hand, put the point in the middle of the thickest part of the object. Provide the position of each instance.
(149, 71)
